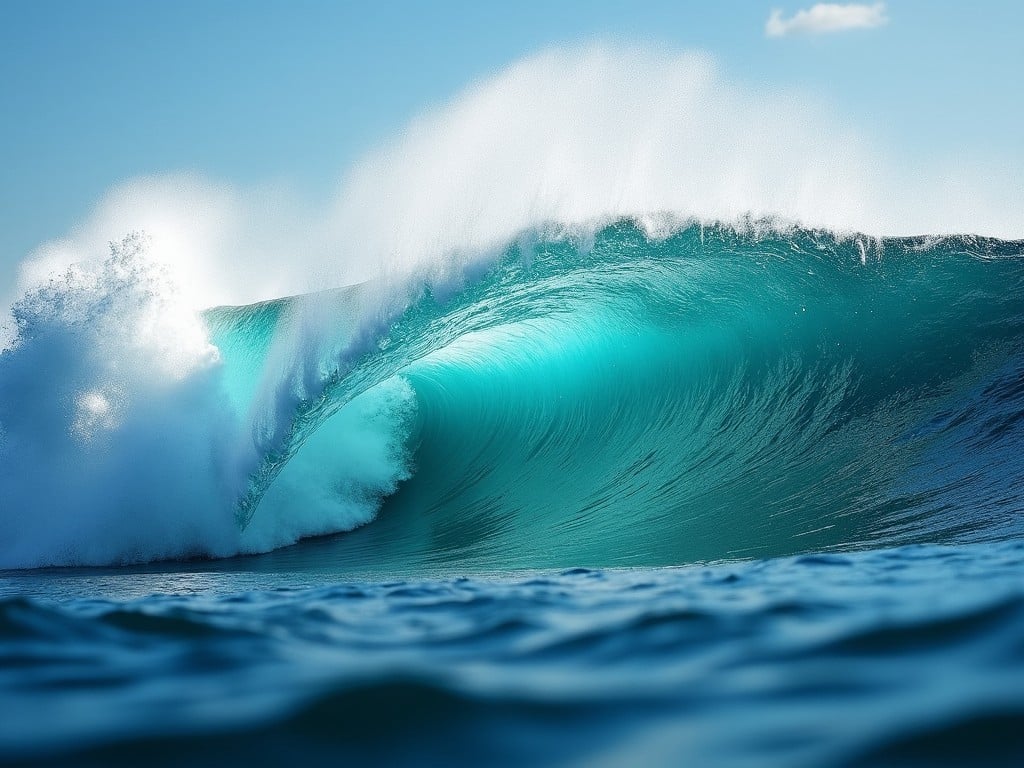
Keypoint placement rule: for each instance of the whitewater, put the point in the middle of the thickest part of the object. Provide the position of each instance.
(606, 325)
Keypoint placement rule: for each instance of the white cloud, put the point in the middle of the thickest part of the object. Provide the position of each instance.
(822, 18)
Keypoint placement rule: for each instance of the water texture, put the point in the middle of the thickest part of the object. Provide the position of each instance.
(909, 656)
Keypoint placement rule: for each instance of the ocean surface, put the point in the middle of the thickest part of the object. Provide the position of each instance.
(730, 495)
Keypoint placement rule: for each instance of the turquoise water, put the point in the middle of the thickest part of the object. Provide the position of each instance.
(712, 395)
(731, 496)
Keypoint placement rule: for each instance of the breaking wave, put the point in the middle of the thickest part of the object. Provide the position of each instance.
(602, 399)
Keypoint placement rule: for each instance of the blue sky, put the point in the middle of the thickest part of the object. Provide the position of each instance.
(97, 92)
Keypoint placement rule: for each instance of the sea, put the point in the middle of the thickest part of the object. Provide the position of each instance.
(737, 494)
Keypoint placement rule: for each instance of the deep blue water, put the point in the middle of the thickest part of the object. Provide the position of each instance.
(909, 656)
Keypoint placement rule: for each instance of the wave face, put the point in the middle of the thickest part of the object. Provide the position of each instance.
(600, 400)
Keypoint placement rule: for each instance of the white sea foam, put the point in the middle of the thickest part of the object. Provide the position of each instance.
(119, 443)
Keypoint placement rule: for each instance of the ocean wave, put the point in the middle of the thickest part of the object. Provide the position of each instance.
(594, 398)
